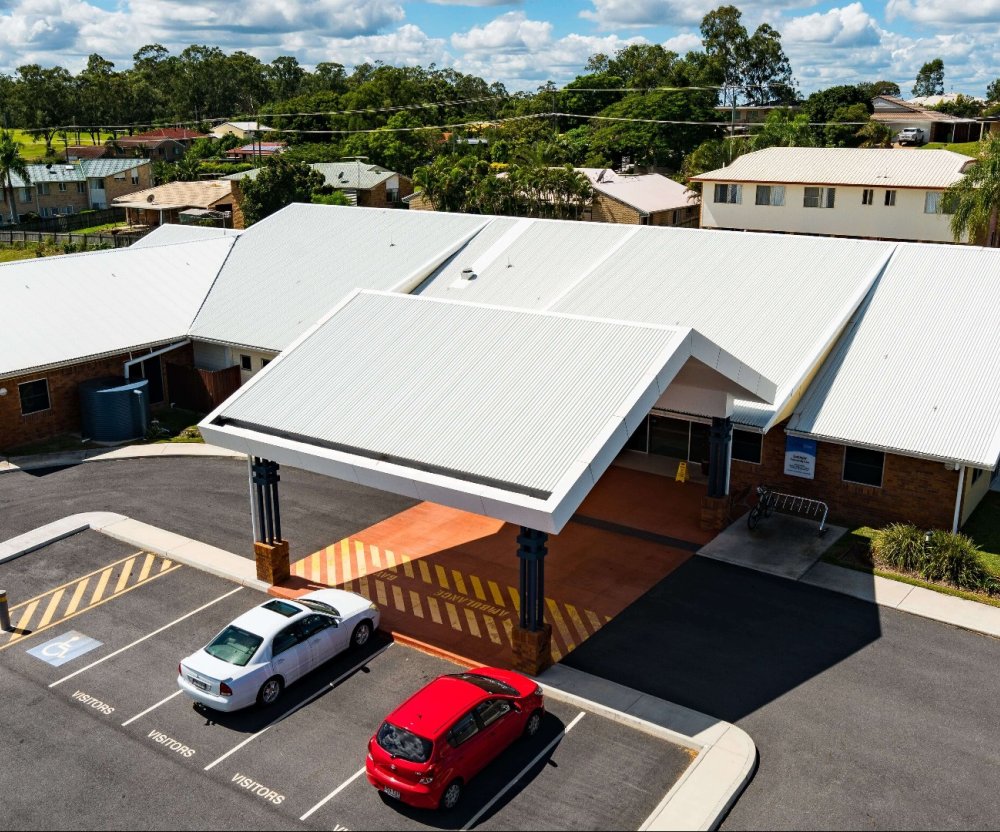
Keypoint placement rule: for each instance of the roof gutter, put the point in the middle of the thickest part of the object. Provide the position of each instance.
(141, 358)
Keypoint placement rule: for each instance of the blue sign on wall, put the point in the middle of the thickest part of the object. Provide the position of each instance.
(800, 457)
(64, 648)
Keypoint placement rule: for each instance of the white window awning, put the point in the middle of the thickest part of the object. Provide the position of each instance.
(509, 413)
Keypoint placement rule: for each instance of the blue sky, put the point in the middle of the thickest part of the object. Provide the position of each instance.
(522, 44)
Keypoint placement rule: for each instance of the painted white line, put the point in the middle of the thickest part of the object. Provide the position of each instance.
(152, 708)
(140, 640)
(302, 704)
(523, 771)
(334, 793)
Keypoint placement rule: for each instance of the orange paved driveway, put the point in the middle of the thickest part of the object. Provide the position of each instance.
(449, 578)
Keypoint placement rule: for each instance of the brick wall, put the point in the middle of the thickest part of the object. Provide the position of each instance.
(63, 415)
(913, 490)
(606, 209)
(114, 187)
(57, 200)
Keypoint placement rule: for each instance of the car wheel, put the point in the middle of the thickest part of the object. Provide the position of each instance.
(362, 633)
(451, 795)
(534, 723)
(270, 691)
(753, 517)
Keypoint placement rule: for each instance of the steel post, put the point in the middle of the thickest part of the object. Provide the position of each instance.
(4, 612)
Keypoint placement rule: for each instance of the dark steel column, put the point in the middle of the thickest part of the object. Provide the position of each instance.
(265, 484)
(719, 439)
(531, 551)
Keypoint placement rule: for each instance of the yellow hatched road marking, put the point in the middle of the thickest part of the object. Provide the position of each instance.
(345, 562)
(470, 616)
(363, 583)
(418, 610)
(22, 624)
(407, 567)
(442, 577)
(380, 593)
(456, 624)
(147, 565)
(477, 587)
(495, 592)
(432, 604)
(556, 617)
(508, 628)
(50, 610)
(397, 599)
(71, 583)
(167, 563)
(425, 573)
(359, 557)
(390, 559)
(514, 598)
(491, 628)
(101, 585)
(74, 602)
(595, 622)
(459, 583)
(314, 563)
(125, 575)
(574, 616)
(376, 559)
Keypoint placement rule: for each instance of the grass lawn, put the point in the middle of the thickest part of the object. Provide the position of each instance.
(181, 426)
(965, 148)
(97, 229)
(34, 151)
(852, 551)
(27, 251)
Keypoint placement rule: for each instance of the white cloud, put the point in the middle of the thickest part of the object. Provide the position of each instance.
(611, 14)
(944, 12)
(511, 32)
(848, 26)
(479, 3)
(683, 43)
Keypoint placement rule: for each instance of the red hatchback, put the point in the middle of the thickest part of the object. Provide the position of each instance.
(446, 733)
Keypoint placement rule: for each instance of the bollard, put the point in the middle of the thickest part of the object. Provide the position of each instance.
(4, 613)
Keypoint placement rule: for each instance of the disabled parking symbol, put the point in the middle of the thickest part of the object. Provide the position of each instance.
(64, 648)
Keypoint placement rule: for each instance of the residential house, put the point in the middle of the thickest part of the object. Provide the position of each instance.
(885, 194)
(256, 150)
(164, 144)
(167, 203)
(76, 152)
(936, 126)
(369, 186)
(240, 129)
(641, 199)
(55, 189)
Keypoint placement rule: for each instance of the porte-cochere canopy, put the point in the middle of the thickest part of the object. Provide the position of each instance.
(504, 412)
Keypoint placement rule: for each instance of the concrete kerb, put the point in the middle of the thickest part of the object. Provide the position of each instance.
(62, 459)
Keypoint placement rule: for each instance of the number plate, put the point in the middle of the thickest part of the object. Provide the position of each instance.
(391, 793)
(199, 684)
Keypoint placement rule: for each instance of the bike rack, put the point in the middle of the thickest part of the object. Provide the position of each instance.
(803, 506)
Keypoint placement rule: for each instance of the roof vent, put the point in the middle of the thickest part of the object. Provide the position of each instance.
(468, 274)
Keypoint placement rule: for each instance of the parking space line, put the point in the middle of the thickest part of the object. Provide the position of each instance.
(334, 793)
(524, 771)
(145, 637)
(302, 704)
(151, 708)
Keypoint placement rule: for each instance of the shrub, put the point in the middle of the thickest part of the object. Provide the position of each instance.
(899, 546)
(954, 558)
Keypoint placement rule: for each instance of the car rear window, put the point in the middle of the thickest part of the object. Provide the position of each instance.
(234, 645)
(404, 744)
(486, 683)
(319, 606)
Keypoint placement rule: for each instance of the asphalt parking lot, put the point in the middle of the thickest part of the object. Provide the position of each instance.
(98, 735)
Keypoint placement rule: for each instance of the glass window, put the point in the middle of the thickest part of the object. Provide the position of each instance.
(486, 683)
(287, 638)
(264, 362)
(770, 195)
(863, 466)
(464, 730)
(234, 645)
(747, 445)
(639, 440)
(890, 198)
(932, 202)
(867, 196)
(34, 396)
(25, 194)
(404, 744)
(976, 474)
(62, 187)
(312, 624)
(282, 608)
(491, 710)
(819, 197)
(99, 184)
(81, 187)
(699, 442)
(45, 188)
(729, 194)
(668, 437)
(245, 362)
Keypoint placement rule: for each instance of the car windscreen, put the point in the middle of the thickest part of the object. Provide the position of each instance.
(234, 645)
(404, 744)
(318, 606)
(486, 683)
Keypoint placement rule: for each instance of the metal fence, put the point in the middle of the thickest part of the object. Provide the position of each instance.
(78, 242)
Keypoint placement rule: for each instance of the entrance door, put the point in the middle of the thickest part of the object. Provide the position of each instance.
(152, 372)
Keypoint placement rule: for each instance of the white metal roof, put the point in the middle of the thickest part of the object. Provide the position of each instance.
(62, 309)
(173, 233)
(919, 371)
(649, 192)
(848, 166)
(288, 270)
(505, 412)
(776, 301)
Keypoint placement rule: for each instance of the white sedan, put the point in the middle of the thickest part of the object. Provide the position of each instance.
(266, 649)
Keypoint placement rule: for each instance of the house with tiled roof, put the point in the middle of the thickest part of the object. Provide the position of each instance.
(936, 126)
(364, 184)
(175, 202)
(164, 144)
(240, 129)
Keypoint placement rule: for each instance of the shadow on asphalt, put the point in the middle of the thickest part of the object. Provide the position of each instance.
(44, 472)
(725, 640)
(313, 685)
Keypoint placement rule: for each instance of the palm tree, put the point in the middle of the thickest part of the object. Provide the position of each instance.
(876, 134)
(974, 201)
(11, 163)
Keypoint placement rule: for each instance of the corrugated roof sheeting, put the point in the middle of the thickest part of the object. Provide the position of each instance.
(873, 167)
(526, 263)
(109, 167)
(288, 270)
(468, 389)
(174, 233)
(59, 309)
(919, 373)
(352, 175)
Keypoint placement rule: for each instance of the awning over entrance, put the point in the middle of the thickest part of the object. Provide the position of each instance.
(504, 412)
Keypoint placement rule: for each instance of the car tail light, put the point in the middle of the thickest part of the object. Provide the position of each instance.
(224, 689)
(180, 671)
(428, 777)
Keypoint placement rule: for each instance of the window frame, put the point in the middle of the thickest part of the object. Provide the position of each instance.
(867, 196)
(48, 396)
(498, 709)
(733, 192)
(825, 197)
(845, 478)
(890, 198)
(452, 737)
(296, 636)
(760, 446)
(773, 195)
(246, 362)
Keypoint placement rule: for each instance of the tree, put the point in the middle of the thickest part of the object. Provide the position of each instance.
(963, 107)
(44, 97)
(876, 134)
(842, 131)
(870, 89)
(278, 184)
(974, 201)
(930, 79)
(784, 128)
(993, 92)
(335, 198)
(822, 106)
(11, 164)
(712, 155)
(285, 77)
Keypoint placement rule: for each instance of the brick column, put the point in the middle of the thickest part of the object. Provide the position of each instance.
(532, 649)
(272, 561)
(714, 513)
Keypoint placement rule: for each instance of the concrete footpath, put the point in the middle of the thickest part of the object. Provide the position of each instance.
(726, 756)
